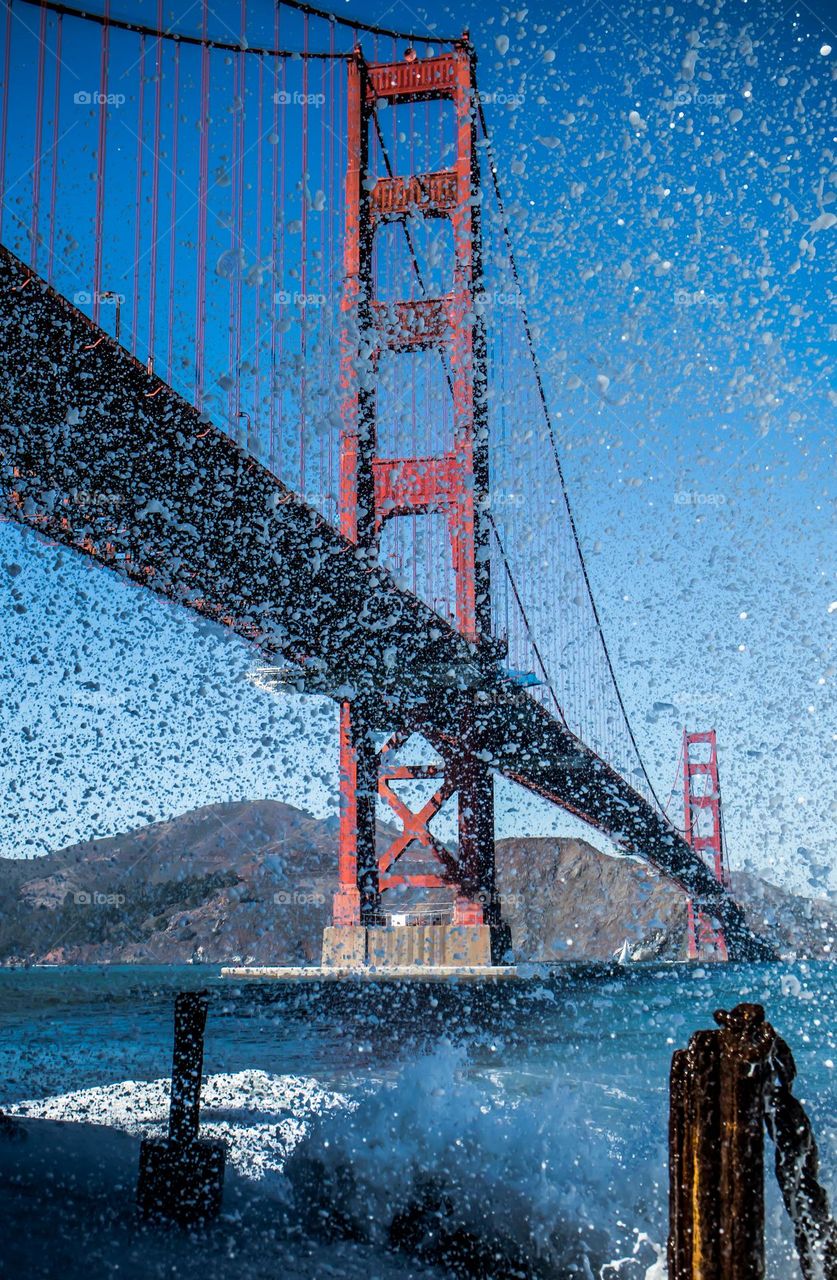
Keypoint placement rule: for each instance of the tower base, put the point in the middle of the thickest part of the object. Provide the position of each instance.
(414, 946)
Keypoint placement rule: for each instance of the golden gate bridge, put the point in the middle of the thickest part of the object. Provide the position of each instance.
(266, 351)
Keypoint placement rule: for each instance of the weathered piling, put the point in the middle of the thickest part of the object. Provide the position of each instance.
(724, 1088)
(694, 1142)
(190, 1010)
(181, 1177)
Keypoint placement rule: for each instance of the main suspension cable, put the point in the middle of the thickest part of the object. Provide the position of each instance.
(523, 615)
(548, 419)
(680, 761)
(157, 33)
(356, 25)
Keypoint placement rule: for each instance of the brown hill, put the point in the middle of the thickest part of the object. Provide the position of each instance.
(253, 880)
(565, 900)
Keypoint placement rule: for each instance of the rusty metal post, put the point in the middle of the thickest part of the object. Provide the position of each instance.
(181, 1177)
(190, 1010)
(716, 1150)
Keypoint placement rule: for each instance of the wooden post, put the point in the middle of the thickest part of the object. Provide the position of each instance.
(190, 1010)
(745, 1044)
(694, 1148)
(181, 1177)
(716, 1150)
(725, 1089)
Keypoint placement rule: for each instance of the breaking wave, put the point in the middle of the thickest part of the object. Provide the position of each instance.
(449, 1169)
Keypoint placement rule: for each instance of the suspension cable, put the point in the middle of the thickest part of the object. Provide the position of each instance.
(548, 419)
(334, 19)
(680, 760)
(356, 25)
(157, 33)
(407, 236)
(299, 5)
(523, 615)
(449, 380)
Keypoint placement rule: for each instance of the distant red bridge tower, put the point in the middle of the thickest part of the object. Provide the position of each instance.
(704, 832)
(454, 484)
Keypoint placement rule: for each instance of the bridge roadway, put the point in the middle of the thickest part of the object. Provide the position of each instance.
(98, 455)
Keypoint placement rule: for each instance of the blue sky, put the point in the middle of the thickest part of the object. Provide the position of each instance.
(667, 179)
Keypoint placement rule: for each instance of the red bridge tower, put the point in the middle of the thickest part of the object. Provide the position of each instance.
(454, 484)
(703, 830)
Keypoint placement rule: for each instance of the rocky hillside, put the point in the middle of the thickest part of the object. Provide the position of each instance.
(254, 880)
(802, 928)
(243, 879)
(566, 901)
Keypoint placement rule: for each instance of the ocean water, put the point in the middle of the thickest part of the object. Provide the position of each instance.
(529, 1115)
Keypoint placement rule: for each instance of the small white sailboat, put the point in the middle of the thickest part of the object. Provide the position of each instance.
(623, 955)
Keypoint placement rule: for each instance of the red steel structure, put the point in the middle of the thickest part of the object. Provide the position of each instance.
(374, 489)
(316, 599)
(702, 796)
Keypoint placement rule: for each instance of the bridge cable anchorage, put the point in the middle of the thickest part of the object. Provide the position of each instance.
(551, 431)
(449, 380)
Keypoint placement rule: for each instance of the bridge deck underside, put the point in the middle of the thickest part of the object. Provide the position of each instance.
(102, 457)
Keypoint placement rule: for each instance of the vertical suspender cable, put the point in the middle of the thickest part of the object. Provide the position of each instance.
(155, 185)
(56, 114)
(281, 211)
(303, 388)
(274, 245)
(203, 189)
(330, 212)
(39, 131)
(99, 229)
(4, 109)
(232, 422)
(138, 197)
(173, 215)
(322, 330)
(255, 443)
(239, 215)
